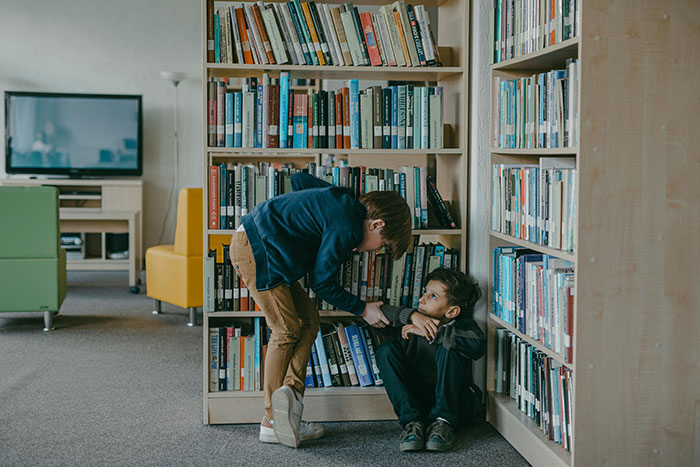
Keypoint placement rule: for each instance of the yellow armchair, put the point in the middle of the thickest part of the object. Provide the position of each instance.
(174, 272)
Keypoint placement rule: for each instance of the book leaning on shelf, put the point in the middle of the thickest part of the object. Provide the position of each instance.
(310, 33)
(235, 189)
(266, 113)
(540, 385)
(534, 293)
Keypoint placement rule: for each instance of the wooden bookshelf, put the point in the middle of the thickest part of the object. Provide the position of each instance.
(449, 165)
(636, 337)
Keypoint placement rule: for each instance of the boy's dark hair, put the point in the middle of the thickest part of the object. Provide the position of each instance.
(390, 207)
(462, 290)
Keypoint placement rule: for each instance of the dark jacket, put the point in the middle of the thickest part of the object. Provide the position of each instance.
(310, 230)
(462, 334)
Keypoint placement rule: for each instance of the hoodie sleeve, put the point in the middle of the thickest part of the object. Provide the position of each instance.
(464, 336)
(397, 315)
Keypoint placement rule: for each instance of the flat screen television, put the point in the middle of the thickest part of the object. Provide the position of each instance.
(78, 135)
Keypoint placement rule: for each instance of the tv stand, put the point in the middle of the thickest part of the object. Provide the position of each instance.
(95, 208)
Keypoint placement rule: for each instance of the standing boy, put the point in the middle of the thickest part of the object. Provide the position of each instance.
(310, 230)
(427, 370)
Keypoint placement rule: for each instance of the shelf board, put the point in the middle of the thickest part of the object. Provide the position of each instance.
(534, 246)
(523, 433)
(336, 72)
(536, 151)
(533, 342)
(550, 57)
(310, 392)
(254, 314)
(80, 197)
(298, 152)
(414, 232)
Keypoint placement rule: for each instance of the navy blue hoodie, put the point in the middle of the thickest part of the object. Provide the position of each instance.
(310, 230)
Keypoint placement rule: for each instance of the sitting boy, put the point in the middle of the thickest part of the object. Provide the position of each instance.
(427, 370)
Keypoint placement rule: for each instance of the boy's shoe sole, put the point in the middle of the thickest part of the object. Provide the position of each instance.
(283, 414)
(416, 445)
(437, 446)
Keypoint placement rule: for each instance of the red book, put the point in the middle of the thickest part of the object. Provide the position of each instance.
(368, 30)
(338, 120)
(346, 117)
(211, 51)
(213, 197)
(273, 116)
(245, 41)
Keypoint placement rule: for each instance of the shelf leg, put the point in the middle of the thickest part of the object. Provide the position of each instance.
(158, 307)
(48, 321)
(193, 316)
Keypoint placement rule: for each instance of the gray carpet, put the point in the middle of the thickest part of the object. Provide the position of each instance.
(116, 385)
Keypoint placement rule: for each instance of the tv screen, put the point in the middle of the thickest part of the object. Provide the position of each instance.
(72, 134)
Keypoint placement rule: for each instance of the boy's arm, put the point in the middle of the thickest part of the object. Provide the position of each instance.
(397, 315)
(302, 181)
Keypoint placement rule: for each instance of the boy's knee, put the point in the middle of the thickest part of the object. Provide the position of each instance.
(387, 351)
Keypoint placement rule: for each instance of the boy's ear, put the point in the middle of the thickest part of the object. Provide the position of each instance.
(376, 224)
(453, 312)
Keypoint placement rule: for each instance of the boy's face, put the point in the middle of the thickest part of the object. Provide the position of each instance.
(435, 303)
(372, 236)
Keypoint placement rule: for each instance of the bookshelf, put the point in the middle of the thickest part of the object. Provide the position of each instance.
(636, 297)
(450, 24)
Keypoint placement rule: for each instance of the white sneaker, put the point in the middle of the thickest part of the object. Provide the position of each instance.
(286, 412)
(307, 432)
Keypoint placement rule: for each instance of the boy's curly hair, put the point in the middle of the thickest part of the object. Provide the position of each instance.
(390, 207)
(462, 290)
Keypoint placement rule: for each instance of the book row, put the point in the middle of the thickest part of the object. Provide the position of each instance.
(540, 385)
(371, 276)
(520, 27)
(266, 113)
(534, 293)
(536, 202)
(538, 111)
(344, 355)
(237, 356)
(310, 33)
(235, 189)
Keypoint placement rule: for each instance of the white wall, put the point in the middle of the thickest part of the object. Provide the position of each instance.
(116, 47)
(479, 172)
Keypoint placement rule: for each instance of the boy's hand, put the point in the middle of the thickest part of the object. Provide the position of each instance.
(409, 329)
(425, 323)
(374, 316)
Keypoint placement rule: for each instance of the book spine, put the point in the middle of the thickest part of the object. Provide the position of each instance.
(228, 116)
(331, 119)
(300, 36)
(415, 33)
(336, 379)
(283, 109)
(357, 23)
(324, 40)
(354, 114)
(304, 6)
(213, 197)
(211, 52)
(213, 359)
(237, 119)
(245, 39)
(369, 35)
(211, 108)
(217, 46)
(337, 53)
(358, 356)
(369, 347)
(323, 360)
(263, 33)
(318, 376)
(220, 113)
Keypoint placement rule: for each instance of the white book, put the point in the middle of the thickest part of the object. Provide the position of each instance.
(248, 127)
(378, 38)
(351, 36)
(387, 47)
(265, 110)
(388, 15)
(286, 35)
(366, 120)
(259, 49)
(435, 123)
(426, 39)
(236, 35)
(299, 47)
(274, 35)
(331, 36)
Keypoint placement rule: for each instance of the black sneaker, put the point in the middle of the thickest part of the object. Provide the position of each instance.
(440, 436)
(412, 438)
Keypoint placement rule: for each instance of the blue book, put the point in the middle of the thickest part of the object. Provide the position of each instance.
(354, 114)
(309, 380)
(371, 354)
(318, 377)
(228, 115)
(359, 355)
(217, 51)
(394, 117)
(284, 108)
(259, 116)
(300, 33)
(323, 361)
(222, 195)
(237, 119)
(258, 353)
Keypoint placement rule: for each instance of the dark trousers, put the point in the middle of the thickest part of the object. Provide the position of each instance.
(426, 381)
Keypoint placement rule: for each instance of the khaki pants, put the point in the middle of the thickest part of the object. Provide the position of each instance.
(292, 317)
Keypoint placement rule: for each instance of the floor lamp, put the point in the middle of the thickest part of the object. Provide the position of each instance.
(174, 77)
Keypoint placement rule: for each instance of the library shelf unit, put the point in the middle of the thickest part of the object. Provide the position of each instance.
(450, 22)
(636, 336)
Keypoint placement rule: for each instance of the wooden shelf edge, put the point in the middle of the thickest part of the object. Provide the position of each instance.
(307, 152)
(525, 61)
(533, 342)
(523, 434)
(414, 232)
(256, 314)
(310, 392)
(336, 72)
(536, 151)
(534, 246)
